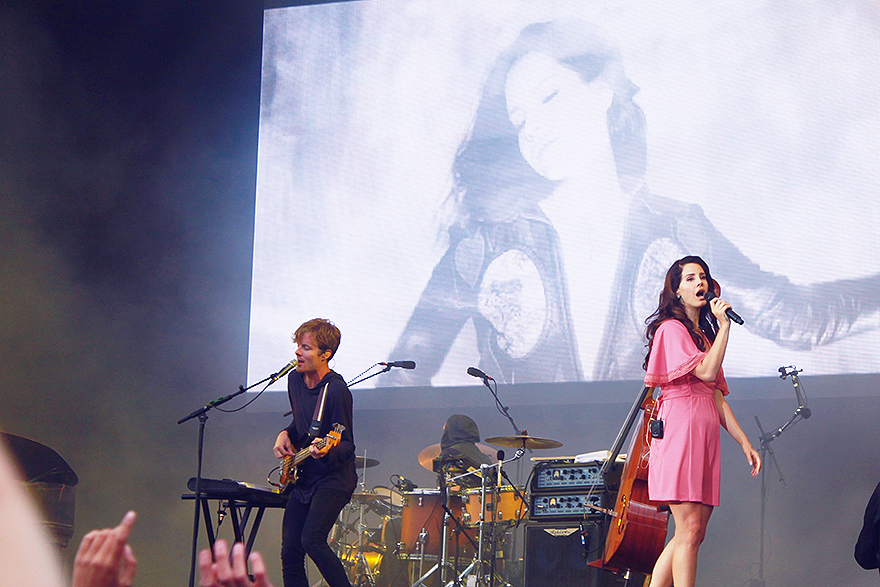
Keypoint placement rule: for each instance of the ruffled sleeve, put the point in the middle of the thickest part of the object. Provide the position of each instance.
(673, 354)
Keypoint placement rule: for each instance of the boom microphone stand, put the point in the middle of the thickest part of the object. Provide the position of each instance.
(202, 415)
(801, 413)
(504, 410)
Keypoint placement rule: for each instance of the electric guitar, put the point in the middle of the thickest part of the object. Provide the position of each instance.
(290, 464)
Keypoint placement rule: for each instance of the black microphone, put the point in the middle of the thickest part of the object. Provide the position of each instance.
(403, 483)
(474, 372)
(287, 369)
(710, 295)
(401, 364)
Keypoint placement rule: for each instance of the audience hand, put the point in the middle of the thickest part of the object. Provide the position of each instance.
(221, 574)
(104, 558)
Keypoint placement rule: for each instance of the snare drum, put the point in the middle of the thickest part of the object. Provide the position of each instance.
(423, 511)
(510, 508)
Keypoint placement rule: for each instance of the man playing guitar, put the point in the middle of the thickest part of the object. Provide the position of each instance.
(325, 482)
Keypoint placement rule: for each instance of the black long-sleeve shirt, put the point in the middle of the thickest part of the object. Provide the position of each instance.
(335, 470)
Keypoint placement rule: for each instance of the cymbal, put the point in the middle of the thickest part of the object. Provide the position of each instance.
(364, 463)
(524, 441)
(368, 497)
(429, 453)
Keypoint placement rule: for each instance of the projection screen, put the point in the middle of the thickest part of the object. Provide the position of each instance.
(503, 183)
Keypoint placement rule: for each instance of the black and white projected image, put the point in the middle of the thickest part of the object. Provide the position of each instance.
(509, 193)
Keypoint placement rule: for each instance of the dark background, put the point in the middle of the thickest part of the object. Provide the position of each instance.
(127, 173)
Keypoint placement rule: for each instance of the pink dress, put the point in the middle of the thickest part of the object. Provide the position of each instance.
(685, 464)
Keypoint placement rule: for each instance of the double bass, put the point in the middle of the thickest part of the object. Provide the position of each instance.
(637, 528)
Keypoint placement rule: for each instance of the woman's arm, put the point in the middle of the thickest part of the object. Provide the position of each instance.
(708, 368)
(728, 421)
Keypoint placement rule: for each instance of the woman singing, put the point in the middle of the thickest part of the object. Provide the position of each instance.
(687, 338)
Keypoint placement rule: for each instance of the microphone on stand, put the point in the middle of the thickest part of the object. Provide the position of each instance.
(401, 364)
(402, 483)
(284, 371)
(710, 295)
(474, 372)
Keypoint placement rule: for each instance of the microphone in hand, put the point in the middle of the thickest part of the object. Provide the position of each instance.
(710, 295)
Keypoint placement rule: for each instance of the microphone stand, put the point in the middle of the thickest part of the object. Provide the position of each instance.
(801, 413)
(385, 369)
(501, 407)
(202, 415)
(519, 454)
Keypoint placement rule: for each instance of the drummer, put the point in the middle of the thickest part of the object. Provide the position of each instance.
(458, 448)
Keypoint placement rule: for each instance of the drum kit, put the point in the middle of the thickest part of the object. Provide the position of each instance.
(460, 532)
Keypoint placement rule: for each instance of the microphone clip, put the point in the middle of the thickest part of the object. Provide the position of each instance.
(784, 372)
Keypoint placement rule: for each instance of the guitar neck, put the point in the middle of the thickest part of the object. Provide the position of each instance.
(304, 453)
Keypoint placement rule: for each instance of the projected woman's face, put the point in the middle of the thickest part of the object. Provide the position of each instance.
(561, 120)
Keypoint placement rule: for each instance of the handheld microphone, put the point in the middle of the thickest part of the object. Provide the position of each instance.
(287, 369)
(401, 364)
(474, 372)
(710, 295)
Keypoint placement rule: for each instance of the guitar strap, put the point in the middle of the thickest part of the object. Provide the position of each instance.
(318, 416)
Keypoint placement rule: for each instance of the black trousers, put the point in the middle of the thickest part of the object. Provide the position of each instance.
(304, 532)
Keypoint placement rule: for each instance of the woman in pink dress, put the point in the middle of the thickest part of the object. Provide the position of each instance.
(687, 338)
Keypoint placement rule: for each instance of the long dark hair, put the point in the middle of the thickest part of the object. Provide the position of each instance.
(670, 307)
(492, 179)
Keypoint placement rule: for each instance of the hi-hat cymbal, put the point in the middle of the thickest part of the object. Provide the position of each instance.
(368, 497)
(524, 441)
(364, 462)
(429, 453)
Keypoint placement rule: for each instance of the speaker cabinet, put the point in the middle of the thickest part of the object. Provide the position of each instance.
(554, 556)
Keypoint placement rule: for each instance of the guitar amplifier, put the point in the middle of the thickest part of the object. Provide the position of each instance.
(556, 476)
(558, 554)
(567, 505)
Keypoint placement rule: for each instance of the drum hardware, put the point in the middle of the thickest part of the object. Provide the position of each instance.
(444, 499)
(362, 556)
(362, 565)
(483, 509)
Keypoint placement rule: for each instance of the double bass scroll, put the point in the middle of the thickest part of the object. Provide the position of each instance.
(637, 529)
